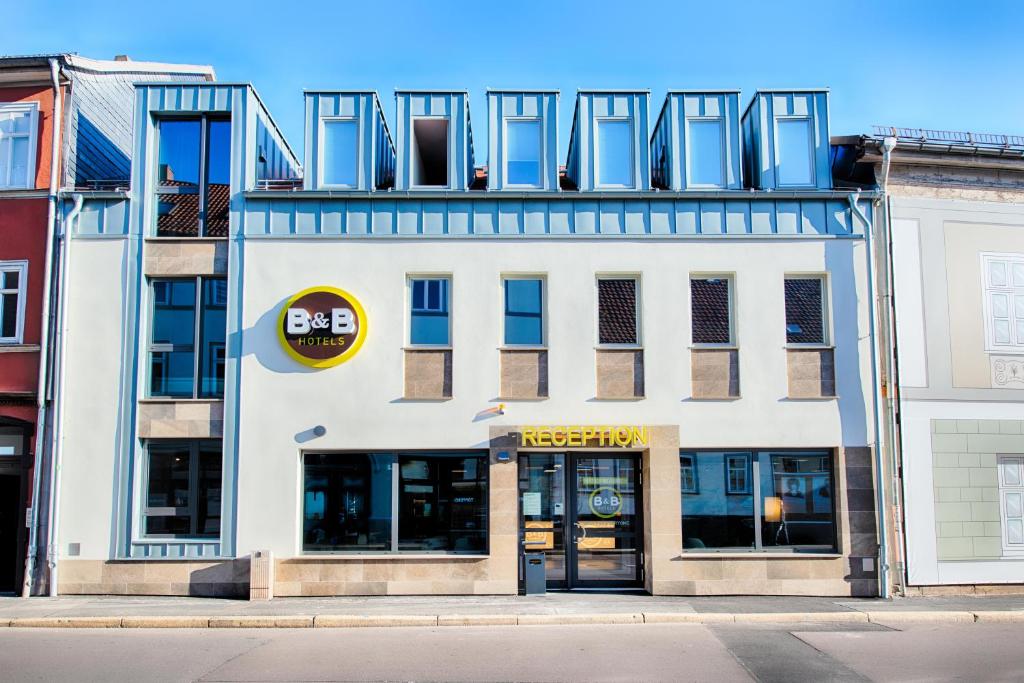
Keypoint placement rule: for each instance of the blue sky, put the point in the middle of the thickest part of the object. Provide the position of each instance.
(930, 64)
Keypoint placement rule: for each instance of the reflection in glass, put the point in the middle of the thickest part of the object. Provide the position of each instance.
(524, 312)
(218, 178)
(429, 312)
(705, 146)
(211, 344)
(713, 517)
(168, 489)
(172, 366)
(805, 310)
(606, 519)
(208, 510)
(615, 153)
(340, 147)
(347, 501)
(442, 503)
(523, 148)
(542, 499)
(794, 150)
(796, 490)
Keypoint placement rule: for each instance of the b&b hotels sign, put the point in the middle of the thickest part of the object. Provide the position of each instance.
(322, 326)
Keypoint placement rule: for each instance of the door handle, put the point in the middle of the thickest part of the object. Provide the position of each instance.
(583, 534)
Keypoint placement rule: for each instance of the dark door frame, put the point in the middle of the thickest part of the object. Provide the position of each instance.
(570, 534)
(18, 467)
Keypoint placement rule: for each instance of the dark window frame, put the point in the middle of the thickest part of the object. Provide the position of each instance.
(203, 188)
(395, 533)
(192, 510)
(197, 336)
(695, 489)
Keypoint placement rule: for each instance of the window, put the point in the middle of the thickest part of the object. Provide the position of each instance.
(524, 311)
(805, 310)
(688, 473)
(183, 489)
(193, 178)
(176, 369)
(794, 152)
(705, 145)
(340, 156)
(617, 311)
(1004, 302)
(523, 152)
(13, 284)
(430, 152)
(1011, 503)
(615, 153)
(763, 501)
(395, 502)
(711, 310)
(429, 324)
(18, 144)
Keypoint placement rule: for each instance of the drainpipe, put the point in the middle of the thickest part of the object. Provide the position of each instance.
(876, 412)
(56, 432)
(44, 333)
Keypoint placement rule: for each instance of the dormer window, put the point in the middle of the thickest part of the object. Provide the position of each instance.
(705, 146)
(523, 147)
(430, 152)
(614, 153)
(794, 152)
(341, 152)
(193, 176)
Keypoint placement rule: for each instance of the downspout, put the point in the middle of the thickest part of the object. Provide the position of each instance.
(892, 395)
(44, 332)
(57, 435)
(876, 412)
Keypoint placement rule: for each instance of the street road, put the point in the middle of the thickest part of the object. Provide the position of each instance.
(649, 652)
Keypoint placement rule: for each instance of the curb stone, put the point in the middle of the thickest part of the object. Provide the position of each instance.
(345, 621)
(943, 616)
(688, 617)
(805, 617)
(165, 622)
(66, 622)
(999, 617)
(261, 622)
(552, 619)
(477, 620)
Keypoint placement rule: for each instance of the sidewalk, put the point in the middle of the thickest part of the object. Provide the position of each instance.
(553, 608)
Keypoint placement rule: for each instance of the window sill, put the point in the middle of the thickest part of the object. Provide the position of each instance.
(197, 238)
(618, 347)
(619, 398)
(424, 399)
(812, 399)
(523, 400)
(713, 347)
(6, 347)
(427, 347)
(355, 555)
(524, 347)
(712, 399)
(171, 399)
(809, 347)
(760, 555)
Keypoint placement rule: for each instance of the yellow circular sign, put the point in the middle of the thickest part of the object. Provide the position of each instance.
(322, 326)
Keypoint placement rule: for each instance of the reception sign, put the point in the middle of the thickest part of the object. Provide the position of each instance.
(322, 326)
(623, 436)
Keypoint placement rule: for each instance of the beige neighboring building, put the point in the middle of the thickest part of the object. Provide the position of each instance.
(954, 226)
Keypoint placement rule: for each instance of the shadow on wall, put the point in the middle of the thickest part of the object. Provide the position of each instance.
(228, 579)
(261, 341)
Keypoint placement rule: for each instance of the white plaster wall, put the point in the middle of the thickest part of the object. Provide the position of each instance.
(93, 324)
(360, 402)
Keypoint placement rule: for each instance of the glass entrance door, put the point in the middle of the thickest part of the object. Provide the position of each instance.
(582, 510)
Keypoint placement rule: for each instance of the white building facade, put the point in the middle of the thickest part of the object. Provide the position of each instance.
(395, 378)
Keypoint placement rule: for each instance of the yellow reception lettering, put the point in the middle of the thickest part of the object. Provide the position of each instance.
(576, 436)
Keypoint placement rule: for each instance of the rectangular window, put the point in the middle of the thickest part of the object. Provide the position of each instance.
(176, 369)
(524, 311)
(705, 144)
(340, 154)
(794, 152)
(688, 473)
(193, 177)
(523, 152)
(764, 501)
(388, 502)
(1004, 302)
(13, 285)
(430, 152)
(1011, 503)
(429, 324)
(805, 310)
(183, 489)
(617, 311)
(18, 122)
(615, 153)
(711, 310)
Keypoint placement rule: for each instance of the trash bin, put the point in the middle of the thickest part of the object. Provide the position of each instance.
(535, 573)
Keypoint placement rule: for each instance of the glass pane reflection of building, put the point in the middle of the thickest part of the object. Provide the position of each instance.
(542, 489)
(606, 517)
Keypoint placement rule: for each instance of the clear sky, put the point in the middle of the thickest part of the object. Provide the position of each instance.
(933, 64)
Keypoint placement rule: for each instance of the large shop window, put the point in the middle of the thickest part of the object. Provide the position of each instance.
(395, 502)
(711, 310)
(183, 489)
(1004, 302)
(805, 310)
(13, 283)
(758, 501)
(617, 306)
(193, 177)
(187, 350)
(524, 311)
(429, 317)
(18, 121)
